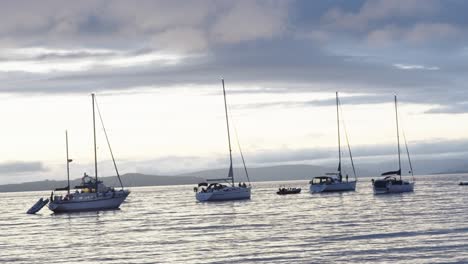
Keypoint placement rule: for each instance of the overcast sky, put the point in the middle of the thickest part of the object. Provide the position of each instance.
(156, 68)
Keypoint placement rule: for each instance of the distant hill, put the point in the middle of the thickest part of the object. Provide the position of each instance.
(137, 179)
(272, 173)
(129, 180)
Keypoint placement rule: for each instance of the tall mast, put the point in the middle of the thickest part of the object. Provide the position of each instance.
(231, 173)
(108, 144)
(398, 137)
(95, 149)
(68, 162)
(339, 138)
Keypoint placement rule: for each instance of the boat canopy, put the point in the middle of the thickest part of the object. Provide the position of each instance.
(218, 180)
(327, 177)
(322, 179)
(215, 184)
(88, 182)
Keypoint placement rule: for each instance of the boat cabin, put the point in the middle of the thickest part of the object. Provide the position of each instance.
(209, 187)
(323, 180)
(389, 179)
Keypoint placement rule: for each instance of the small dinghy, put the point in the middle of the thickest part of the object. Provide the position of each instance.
(284, 191)
(38, 206)
(463, 183)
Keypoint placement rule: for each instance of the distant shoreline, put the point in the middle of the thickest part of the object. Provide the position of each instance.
(260, 174)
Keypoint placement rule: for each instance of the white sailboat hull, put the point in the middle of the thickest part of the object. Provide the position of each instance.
(333, 187)
(103, 202)
(224, 194)
(395, 188)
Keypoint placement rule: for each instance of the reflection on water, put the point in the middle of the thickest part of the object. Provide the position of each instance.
(167, 225)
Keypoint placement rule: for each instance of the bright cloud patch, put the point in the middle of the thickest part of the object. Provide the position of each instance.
(43, 60)
(415, 67)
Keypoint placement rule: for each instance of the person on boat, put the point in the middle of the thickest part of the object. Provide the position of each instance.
(346, 177)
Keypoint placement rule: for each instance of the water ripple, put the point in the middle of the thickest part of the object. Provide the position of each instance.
(167, 225)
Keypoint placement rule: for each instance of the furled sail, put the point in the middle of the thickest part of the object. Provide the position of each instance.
(231, 172)
(398, 172)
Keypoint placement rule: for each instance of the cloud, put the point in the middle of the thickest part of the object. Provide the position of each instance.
(292, 66)
(347, 100)
(414, 48)
(374, 11)
(13, 168)
(181, 39)
(269, 45)
(454, 108)
(44, 53)
(422, 32)
(415, 67)
(386, 23)
(157, 24)
(43, 60)
(417, 34)
(248, 20)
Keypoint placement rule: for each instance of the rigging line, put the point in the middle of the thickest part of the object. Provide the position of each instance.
(407, 152)
(239, 146)
(95, 151)
(347, 140)
(407, 149)
(108, 143)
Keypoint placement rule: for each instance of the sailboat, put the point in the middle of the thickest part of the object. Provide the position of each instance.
(224, 189)
(333, 182)
(91, 194)
(392, 182)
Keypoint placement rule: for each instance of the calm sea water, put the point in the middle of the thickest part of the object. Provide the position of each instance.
(167, 225)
